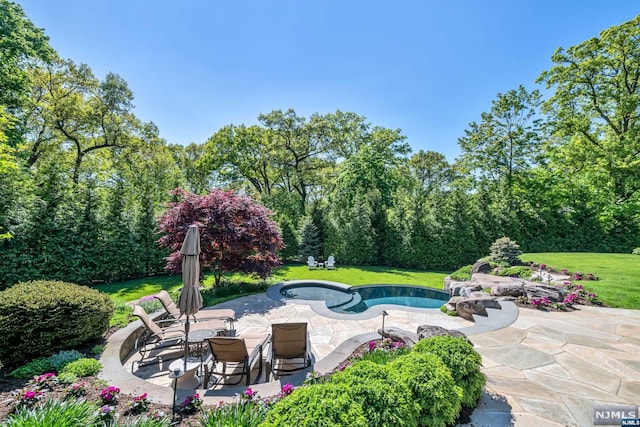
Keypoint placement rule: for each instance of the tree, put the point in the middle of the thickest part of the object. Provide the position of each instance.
(310, 244)
(595, 110)
(507, 142)
(236, 233)
(21, 45)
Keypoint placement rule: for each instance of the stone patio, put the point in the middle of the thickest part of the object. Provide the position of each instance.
(542, 368)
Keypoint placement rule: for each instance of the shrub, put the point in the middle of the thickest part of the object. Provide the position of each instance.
(42, 317)
(84, 367)
(317, 405)
(505, 251)
(431, 385)
(517, 271)
(67, 378)
(463, 361)
(54, 413)
(462, 274)
(384, 399)
(33, 368)
(63, 358)
(636, 251)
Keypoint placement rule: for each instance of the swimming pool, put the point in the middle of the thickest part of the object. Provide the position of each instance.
(357, 299)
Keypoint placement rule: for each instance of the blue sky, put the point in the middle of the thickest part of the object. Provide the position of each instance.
(426, 67)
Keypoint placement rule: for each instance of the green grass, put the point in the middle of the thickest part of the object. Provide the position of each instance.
(619, 284)
(131, 290)
(364, 275)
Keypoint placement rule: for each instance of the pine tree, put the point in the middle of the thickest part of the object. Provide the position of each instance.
(310, 244)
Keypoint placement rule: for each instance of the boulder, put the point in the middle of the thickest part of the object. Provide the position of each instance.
(516, 289)
(465, 291)
(428, 331)
(454, 300)
(454, 287)
(541, 291)
(398, 334)
(468, 307)
(481, 267)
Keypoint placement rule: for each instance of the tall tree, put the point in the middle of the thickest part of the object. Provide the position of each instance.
(22, 45)
(595, 108)
(237, 234)
(507, 141)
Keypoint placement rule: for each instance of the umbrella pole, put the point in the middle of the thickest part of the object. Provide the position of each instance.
(186, 343)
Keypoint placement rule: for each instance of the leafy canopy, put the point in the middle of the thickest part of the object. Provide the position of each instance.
(236, 233)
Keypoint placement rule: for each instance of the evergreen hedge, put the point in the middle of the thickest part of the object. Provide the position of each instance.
(42, 317)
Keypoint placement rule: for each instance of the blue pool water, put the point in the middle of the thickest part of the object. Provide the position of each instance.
(358, 299)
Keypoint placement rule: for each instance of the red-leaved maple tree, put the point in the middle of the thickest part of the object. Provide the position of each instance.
(236, 233)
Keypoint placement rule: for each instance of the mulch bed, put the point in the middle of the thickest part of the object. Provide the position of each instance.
(93, 386)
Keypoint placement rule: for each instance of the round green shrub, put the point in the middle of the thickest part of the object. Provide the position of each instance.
(505, 251)
(431, 385)
(84, 367)
(385, 400)
(63, 358)
(463, 361)
(317, 405)
(38, 366)
(41, 317)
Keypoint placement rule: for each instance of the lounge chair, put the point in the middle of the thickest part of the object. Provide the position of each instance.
(174, 312)
(235, 353)
(311, 262)
(290, 348)
(157, 337)
(167, 333)
(331, 263)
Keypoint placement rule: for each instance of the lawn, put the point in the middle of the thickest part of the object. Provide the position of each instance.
(619, 274)
(135, 289)
(364, 275)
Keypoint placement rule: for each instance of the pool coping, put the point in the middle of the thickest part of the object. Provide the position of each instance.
(496, 318)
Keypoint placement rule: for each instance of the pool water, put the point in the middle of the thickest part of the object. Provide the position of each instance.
(358, 299)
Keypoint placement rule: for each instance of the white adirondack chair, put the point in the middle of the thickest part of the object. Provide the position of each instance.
(312, 263)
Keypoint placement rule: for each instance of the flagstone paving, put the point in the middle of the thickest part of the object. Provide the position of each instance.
(544, 369)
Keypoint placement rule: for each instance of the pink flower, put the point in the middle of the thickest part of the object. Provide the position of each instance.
(287, 389)
(372, 345)
(543, 266)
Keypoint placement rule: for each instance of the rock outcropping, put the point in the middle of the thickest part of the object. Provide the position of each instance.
(485, 291)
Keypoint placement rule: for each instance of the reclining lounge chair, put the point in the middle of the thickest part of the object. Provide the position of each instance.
(290, 348)
(237, 356)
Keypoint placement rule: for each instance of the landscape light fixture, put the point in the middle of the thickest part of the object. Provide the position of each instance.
(384, 314)
(175, 375)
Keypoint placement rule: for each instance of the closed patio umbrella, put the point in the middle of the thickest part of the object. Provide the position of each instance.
(190, 300)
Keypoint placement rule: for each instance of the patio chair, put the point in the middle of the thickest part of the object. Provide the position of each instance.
(167, 333)
(174, 312)
(311, 262)
(156, 337)
(237, 355)
(290, 348)
(331, 263)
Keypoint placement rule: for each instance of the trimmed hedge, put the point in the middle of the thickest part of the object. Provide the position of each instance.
(432, 387)
(42, 317)
(317, 405)
(385, 400)
(463, 361)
